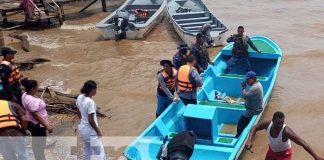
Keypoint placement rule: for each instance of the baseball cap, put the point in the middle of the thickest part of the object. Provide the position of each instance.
(7, 50)
(183, 45)
(249, 75)
(163, 62)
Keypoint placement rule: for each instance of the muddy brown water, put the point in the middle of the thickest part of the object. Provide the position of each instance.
(126, 70)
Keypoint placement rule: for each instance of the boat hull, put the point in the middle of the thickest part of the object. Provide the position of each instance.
(212, 140)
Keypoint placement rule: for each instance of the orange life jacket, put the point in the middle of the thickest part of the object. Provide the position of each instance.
(183, 79)
(170, 82)
(15, 73)
(141, 12)
(8, 117)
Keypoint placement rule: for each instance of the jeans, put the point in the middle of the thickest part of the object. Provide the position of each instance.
(92, 146)
(12, 146)
(238, 59)
(16, 90)
(188, 101)
(241, 125)
(38, 140)
(162, 104)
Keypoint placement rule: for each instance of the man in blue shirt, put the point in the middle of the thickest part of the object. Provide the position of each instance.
(180, 58)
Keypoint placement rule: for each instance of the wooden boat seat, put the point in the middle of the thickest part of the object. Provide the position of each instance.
(189, 15)
(240, 76)
(195, 31)
(132, 7)
(197, 27)
(222, 104)
(195, 23)
(191, 20)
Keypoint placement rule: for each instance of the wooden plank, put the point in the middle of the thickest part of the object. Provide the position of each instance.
(10, 7)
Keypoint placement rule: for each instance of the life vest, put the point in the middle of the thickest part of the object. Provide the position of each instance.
(141, 12)
(240, 43)
(170, 82)
(15, 73)
(183, 79)
(8, 117)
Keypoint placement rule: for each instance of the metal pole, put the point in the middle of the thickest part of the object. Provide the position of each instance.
(2, 40)
(104, 5)
(87, 6)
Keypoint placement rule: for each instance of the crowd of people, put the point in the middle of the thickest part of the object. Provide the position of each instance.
(23, 114)
(182, 76)
(20, 111)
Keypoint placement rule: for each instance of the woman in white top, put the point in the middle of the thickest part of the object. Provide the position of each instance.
(88, 127)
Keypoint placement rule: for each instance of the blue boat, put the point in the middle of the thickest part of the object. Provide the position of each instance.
(212, 120)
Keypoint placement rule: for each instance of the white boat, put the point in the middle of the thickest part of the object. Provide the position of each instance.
(136, 25)
(188, 17)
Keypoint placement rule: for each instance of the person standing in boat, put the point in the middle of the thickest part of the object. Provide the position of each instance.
(199, 50)
(253, 101)
(10, 75)
(166, 87)
(180, 58)
(88, 127)
(279, 136)
(188, 81)
(240, 49)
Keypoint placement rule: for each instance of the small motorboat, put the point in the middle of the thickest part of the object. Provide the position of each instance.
(133, 20)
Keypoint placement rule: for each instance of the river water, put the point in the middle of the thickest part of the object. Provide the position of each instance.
(126, 70)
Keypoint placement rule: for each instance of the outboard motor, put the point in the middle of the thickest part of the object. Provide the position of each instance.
(205, 30)
(180, 147)
(121, 23)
